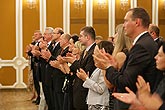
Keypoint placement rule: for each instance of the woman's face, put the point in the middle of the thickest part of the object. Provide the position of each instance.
(160, 59)
(71, 45)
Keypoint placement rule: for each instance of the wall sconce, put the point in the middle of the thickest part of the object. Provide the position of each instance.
(78, 4)
(123, 4)
(101, 4)
(31, 4)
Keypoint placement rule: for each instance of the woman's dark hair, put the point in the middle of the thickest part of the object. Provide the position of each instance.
(75, 38)
(108, 46)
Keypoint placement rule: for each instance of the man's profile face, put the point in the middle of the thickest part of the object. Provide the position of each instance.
(129, 24)
(83, 38)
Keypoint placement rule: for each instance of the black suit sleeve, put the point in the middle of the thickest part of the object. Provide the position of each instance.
(137, 61)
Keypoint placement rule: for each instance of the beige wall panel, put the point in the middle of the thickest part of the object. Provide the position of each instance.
(54, 11)
(77, 17)
(120, 12)
(161, 18)
(30, 23)
(7, 76)
(100, 19)
(7, 29)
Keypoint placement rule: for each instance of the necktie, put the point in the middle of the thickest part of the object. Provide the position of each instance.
(85, 52)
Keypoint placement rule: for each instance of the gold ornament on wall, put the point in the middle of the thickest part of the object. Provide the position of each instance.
(31, 4)
(78, 3)
(101, 4)
(123, 4)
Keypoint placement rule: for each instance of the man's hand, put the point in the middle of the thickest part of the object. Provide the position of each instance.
(102, 59)
(45, 54)
(70, 58)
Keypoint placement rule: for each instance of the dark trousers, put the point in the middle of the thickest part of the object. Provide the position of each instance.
(58, 100)
(68, 101)
(48, 96)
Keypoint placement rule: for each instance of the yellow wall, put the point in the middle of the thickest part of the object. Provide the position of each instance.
(77, 18)
(7, 29)
(161, 18)
(54, 12)
(100, 19)
(7, 42)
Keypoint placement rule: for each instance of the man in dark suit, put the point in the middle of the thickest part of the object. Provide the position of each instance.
(34, 63)
(140, 60)
(87, 38)
(48, 55)
(58, 76)
(154, 32)
(48, 35)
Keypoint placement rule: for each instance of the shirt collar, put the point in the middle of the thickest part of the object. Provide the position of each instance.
(89, 47)
(136, 39)
(156, 39)
(48, 43)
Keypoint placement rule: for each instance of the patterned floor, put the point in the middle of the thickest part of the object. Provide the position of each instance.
(16, 100)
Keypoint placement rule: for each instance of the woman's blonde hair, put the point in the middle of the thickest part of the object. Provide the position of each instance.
(122, 42)
(79, 46)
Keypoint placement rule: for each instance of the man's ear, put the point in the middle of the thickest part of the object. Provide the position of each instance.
(88, 37)
(138, 22)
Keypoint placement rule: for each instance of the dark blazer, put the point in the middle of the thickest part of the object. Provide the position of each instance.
(50, 69)
(158, 41)
(42, 66)
(79, 92)
(139, 61)
(58, 75)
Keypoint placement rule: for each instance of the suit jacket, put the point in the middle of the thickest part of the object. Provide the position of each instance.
(58, 75)
(158, 41)
(33, 59)
(43, 67)
(140, 61)
(49, 69)
(79, 92)
(98, 92)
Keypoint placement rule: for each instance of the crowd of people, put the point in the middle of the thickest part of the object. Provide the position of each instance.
(86, 72)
